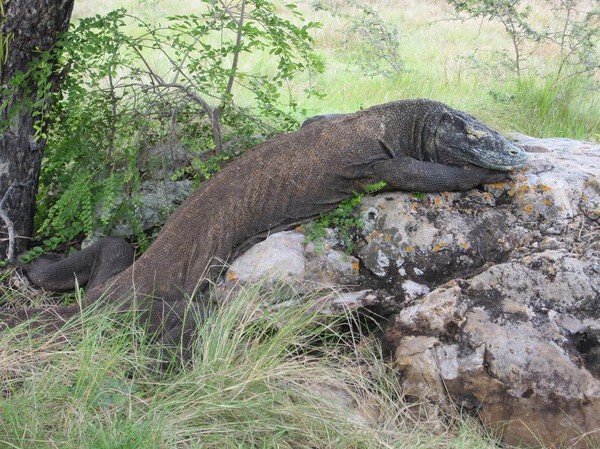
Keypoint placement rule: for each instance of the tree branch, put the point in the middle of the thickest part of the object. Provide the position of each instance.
(238, 43)
(9, 223)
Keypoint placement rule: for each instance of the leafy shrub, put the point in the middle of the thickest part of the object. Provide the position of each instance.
(375, 42)
(123, 91)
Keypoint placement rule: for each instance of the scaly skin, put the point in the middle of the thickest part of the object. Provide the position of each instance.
(414, 145)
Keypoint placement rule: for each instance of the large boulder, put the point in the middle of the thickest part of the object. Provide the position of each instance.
(495, 294)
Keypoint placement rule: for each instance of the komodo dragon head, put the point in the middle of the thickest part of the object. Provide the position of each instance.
(431, 131)
(461, 139)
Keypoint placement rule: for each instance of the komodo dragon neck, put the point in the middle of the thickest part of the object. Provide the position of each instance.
(413, 145)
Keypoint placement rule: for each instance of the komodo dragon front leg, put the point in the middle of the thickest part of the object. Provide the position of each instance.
(405, 173)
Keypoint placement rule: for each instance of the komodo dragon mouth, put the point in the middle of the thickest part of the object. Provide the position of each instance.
(413, 145)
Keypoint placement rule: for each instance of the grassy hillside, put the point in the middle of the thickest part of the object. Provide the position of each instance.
(453, 61)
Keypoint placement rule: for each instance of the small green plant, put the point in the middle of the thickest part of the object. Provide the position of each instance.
(345, 219)
(201, 169)
(36, 251)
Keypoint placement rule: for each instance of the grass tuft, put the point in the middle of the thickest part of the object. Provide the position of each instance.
(269, 370)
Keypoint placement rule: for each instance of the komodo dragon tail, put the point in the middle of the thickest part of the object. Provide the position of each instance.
(87, 267)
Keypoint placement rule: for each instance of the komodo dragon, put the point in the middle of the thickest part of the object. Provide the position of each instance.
(414, 145)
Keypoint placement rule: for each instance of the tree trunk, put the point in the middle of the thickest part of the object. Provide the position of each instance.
(28, 27)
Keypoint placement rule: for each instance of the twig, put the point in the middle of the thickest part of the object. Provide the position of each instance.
(236, 55)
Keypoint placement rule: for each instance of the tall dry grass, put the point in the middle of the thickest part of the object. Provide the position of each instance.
(262, 375)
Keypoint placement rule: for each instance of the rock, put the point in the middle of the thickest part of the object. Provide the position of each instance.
(162, 160)
(284, 256)
(510, 330)
(492, 295)
(279, 257)
(330, 267)
(158, 196)
(511, 345)
(156, 201)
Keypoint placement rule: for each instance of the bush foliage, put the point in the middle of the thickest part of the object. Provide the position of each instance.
(574, 29)
(188, 80)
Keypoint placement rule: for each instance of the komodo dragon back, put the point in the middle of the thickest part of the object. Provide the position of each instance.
(414, 145)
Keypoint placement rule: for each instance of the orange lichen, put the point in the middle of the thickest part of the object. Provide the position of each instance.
(465, 244)
(437, 201)
(528, 209)
(547, 201)
(409, 249)
(439, 246)
(355, 266)
(231, 276)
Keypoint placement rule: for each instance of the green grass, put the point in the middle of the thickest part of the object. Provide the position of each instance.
(268, 377)
(437, 53)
